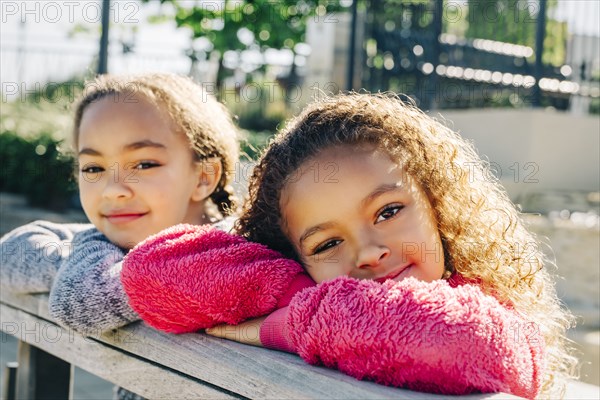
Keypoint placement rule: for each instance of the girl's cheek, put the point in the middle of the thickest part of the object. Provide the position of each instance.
(84, 188)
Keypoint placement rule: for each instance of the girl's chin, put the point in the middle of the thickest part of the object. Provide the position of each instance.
(126, 242)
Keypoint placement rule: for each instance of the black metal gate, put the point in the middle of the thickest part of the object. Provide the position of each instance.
(476, 53)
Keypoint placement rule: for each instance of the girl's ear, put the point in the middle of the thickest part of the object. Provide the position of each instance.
(209, 173)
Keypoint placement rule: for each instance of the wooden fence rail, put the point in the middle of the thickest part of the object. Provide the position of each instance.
(163, 366)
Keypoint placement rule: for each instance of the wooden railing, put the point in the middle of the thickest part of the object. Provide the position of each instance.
(163, 366)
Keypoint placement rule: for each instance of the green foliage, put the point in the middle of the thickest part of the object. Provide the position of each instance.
(515, 21)
(60, 93)
(502, 20)
(33, 132)
(595, 106)
(36, 168)
(255, 120)
(555, 43)
(274, 24)
(44, 111)
(595, 101)
(254, 143)
(258, 107)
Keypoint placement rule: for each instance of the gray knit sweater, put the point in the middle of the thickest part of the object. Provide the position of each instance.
(77, 264)
(80, 268)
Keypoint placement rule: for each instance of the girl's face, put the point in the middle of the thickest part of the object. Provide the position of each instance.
(137, 176)
(353, 212)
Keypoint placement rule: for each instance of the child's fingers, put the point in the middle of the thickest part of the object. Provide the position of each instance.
(218, 331)
(247, 332)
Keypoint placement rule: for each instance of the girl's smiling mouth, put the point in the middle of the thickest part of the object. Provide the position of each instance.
(118, 218)
(401, 273)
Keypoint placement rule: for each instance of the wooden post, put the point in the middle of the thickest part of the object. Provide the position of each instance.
(10, 380)
(41, 375)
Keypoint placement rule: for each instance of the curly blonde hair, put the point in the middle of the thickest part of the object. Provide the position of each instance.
(196, 114)
(483, 235)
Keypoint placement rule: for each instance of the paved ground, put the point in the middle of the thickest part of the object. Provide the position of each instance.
(587, 343)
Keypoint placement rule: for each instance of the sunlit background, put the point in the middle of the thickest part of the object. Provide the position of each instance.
(520, 78)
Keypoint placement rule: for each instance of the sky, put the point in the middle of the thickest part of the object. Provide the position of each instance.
(46, 47)
(39, 43)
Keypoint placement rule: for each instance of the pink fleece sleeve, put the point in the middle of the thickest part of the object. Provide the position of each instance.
(423, 336)
(300, 282)
(190, 277)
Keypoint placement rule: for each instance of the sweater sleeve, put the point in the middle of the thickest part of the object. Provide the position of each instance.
(32, 254)
(274, 333)
(423, 336)
(87, 294)
(188, 278)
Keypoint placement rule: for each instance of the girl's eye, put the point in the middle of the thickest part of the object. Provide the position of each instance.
(326, 246)
(92, 169)
(388, 212)
(146, 165)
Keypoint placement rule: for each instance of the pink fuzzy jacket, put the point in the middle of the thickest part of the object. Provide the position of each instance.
(442, 337)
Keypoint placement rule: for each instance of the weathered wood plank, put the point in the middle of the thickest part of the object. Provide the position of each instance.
(36, 304)
(254, 372)
(235, 368)
(121, 368)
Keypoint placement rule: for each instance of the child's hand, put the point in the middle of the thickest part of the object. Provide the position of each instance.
(248, 332)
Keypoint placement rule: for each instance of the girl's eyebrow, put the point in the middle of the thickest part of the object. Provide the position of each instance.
(314, 229)
(144, 143)
(128, 147)
(380, 191)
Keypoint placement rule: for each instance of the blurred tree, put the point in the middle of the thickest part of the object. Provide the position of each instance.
(243, 24)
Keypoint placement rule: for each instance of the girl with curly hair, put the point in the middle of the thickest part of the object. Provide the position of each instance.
(426, 276)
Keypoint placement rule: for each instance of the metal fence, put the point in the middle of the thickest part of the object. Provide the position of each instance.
(481, 53)
(444, 53)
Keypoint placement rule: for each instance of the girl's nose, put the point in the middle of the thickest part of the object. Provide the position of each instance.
(116, 186)
(371, 256)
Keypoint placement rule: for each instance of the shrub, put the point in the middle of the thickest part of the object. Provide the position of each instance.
(37, 169)
(254, 142)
